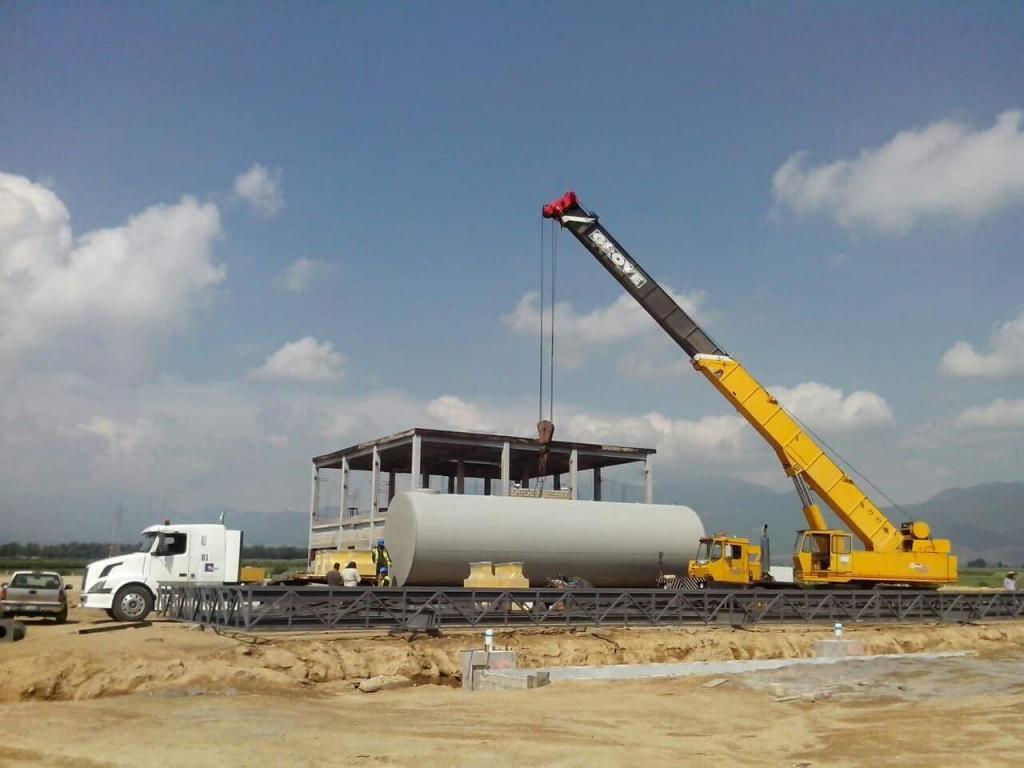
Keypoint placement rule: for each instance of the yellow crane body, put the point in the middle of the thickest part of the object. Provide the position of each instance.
(904, 555)
(892, 554)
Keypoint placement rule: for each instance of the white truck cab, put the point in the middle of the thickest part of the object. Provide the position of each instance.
(126, 586)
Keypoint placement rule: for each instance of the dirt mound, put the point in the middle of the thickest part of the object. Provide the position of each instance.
(176, 657)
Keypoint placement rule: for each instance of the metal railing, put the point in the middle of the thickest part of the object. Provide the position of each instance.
(322, 608)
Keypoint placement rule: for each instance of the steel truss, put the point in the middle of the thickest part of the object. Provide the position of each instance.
(321, 608)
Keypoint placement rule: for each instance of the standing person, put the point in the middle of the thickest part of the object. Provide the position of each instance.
(350, 576)
(334, 576)
(381, 559)
(1010, 582)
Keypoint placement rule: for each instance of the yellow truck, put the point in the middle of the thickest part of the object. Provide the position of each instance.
(888, 554)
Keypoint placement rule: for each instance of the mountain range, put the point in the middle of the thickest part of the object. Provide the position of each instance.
(983, 521)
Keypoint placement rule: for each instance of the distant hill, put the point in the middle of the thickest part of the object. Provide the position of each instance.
(984, 521)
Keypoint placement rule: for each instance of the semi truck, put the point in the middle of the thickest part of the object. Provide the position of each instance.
(126, 586)
(890, 554)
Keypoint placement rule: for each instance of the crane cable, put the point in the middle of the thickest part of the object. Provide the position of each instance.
(551, 364)
(547, 307)
(849, 464)
(540, 368)
(545, 428)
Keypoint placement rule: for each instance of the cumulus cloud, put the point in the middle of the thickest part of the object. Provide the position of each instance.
(1006, 357)
(824, 407)
(999, 414)
(118, 288)
(260, 188)
(714, 438)
(299, 275)
(946, 169)
(123, 440)
(619, 321)
(307, 359)
(454, 413)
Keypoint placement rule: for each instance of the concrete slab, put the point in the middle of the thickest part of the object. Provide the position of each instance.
(475, 662)
(838, 649)
(705, 668)
(508, 681)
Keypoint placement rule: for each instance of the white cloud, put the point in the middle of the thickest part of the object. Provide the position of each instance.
(619, 321)
(999, 414)
(121, 288)
(454, 413)
(824, 407)
(650, 364)
(1005, 359)
(307, 359)
(299, 275)
(261, 189)
(946, 169)
(713, 438)
(123, 440)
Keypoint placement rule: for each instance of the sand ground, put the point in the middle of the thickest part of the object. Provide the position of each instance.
(170, 695)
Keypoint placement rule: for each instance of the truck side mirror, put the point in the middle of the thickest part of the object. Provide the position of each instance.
(68, 587)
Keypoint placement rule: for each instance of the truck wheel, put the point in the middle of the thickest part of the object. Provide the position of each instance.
(132, 603)
(61, 617)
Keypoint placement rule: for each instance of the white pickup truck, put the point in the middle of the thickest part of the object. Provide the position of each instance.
(126, 586)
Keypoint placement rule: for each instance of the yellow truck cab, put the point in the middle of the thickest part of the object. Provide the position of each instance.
(726, 560)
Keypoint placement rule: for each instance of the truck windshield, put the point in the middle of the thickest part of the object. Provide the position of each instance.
(147, 542)
(703, 551)
(708, 551)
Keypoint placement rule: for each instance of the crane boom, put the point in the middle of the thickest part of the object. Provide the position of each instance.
(801, 457)
(652, 297)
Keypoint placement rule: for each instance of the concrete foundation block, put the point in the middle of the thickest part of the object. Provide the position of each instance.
(506, 681)
(475, 662)
(838, 649)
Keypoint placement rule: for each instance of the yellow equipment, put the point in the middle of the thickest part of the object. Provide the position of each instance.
(896, 555)
(363, 558)
(252, 574)
(726, 560)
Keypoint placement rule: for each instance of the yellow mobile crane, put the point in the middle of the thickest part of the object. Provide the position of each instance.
(893, 555)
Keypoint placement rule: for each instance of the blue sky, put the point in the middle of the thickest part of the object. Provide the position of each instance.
(401, 153)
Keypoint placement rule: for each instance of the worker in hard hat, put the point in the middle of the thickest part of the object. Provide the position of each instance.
(384, 578)
(1010, 582)
(381, 559)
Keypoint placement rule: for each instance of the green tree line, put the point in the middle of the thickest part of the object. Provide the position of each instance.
(94, 550)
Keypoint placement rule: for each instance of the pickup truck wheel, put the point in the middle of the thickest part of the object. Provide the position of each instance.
(60, 618)
(132, 603)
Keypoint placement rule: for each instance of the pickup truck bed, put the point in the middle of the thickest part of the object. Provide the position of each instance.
(34, 593)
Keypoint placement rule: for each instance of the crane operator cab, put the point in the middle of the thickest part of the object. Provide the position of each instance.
(823, 552)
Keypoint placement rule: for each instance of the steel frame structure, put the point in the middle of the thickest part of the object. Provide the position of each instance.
(320, 608)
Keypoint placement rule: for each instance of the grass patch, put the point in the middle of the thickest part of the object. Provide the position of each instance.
(983, 577)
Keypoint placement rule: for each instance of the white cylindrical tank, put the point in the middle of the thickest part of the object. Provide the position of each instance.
(434, 537)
